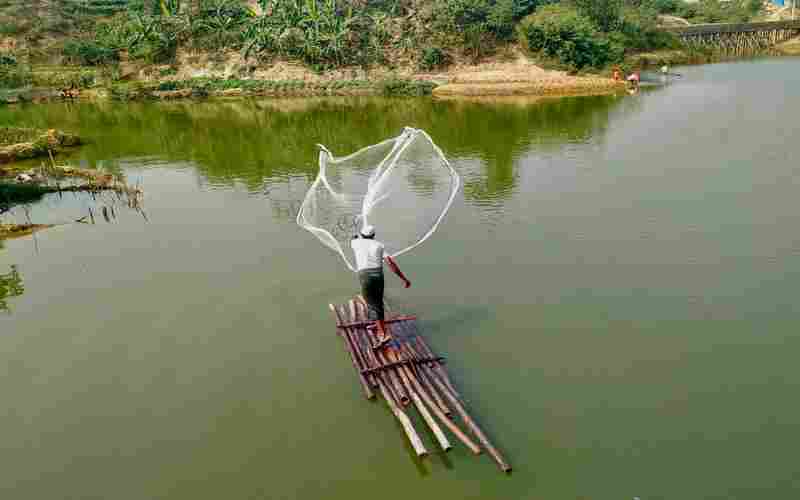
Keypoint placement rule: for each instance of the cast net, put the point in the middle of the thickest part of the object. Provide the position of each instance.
(402, 186)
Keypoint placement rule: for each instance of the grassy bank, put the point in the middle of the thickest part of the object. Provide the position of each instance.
(196, 48)
(159, 49)
(235, 87)
(26, 143)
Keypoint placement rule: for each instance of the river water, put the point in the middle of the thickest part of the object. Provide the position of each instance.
(615, 291)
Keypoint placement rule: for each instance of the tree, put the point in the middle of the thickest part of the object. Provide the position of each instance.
(606, 14)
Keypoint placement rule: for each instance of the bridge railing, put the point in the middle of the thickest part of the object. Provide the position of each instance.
(709, 29)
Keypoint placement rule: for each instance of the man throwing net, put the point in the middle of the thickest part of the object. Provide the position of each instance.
(403, 185)
(369, 263)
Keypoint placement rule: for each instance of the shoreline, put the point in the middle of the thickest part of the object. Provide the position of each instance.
(511, 74)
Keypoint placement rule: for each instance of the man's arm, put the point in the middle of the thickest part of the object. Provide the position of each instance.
(396, 269)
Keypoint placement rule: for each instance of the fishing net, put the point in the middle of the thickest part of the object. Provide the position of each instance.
(402, 186)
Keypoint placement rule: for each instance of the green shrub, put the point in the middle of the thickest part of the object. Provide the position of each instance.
(65, 79)
(522, 8)
(171, 85)
(639, 31)
(462, 14)
(562, 33)
(433, 58)
(605, 14)
(9, 28)
(316, 31)
(89, 53)
(687, 10)
(501, 19)
(716, 11)
(396, 87)
(14, 76)
(15, 135)
(664, 6)
(220, 24)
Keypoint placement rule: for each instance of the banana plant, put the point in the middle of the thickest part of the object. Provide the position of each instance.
(170, 7)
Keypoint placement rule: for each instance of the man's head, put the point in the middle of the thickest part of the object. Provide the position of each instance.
(368, 231)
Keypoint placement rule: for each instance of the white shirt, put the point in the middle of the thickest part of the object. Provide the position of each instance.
(369, 253)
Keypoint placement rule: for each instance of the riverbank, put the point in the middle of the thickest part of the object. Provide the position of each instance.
(510, 72)
(22, 185)
(789, 48)
(25, 143)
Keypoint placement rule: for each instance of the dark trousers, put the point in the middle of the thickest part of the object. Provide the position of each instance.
(372, 291)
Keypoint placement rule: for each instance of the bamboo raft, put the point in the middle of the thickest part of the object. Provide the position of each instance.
(408, 373)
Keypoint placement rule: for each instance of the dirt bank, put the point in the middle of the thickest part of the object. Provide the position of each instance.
(519, 77)
(510, 72)
(789, 48)
(199, 75)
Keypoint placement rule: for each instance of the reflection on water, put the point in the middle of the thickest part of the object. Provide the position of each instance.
(253, 142)
(10, 286)
(616, 295)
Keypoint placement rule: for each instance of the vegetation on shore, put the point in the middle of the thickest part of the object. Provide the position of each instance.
(94, 43)
(235, 87)
(11, 285)
(24, 143)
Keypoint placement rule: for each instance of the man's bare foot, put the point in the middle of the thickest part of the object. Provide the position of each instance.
(382, 342)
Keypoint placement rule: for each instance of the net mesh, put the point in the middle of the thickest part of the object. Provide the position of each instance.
(402, 186)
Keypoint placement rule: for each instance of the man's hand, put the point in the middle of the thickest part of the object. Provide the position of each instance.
(396, 269)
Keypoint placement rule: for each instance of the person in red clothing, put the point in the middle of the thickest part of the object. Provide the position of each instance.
(633, 79)
(369, 263)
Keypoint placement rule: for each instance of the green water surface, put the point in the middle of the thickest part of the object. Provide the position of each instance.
(615, 290)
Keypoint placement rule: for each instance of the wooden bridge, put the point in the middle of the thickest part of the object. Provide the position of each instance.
(737, 38)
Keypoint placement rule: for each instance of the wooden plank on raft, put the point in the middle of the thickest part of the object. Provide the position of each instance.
(400, 363)
(368, 323)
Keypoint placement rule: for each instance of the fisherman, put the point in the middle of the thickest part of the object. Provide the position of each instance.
(617, 74)
(369, 263)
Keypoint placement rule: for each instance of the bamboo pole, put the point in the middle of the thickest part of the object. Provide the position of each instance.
(426, 416)
(476, 430)
(375, 364)
(406, 377)
(423, 379)
(384, 380)
(365, 362)
(420, 341)
(423, 351)
(351, 351)
(413, 385)
(437, 368)
(461, 435)
(405, 422)
(392, 376)
(399, 390)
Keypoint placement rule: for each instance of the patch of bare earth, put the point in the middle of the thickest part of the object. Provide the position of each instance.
(517, 78)
(510, 73)
(789, 48)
